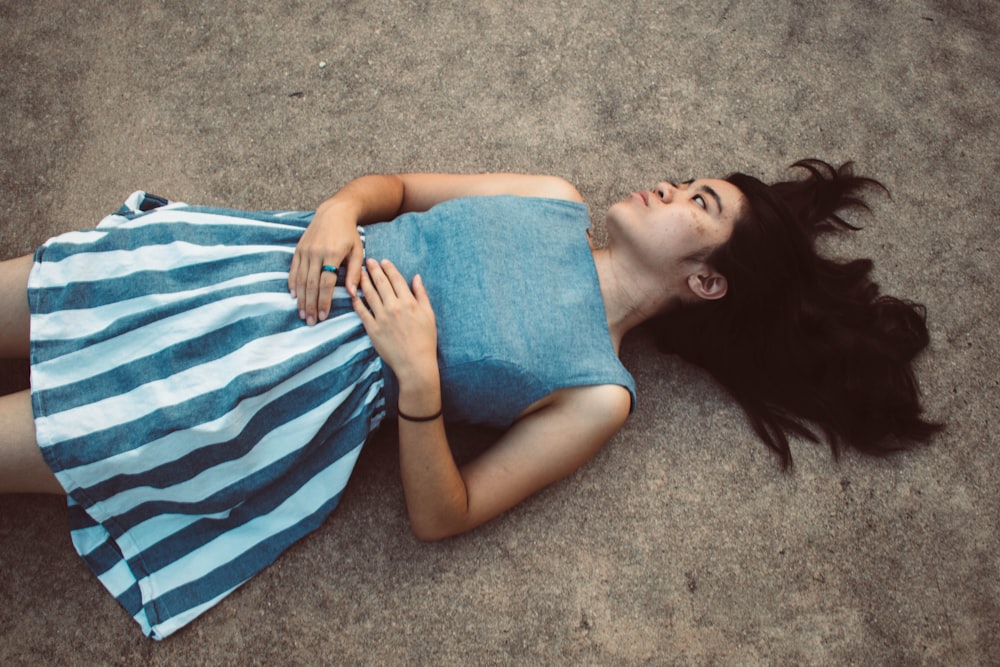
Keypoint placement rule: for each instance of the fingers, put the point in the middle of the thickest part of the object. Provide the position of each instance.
(385, 287)
(312, 284)
(327, 282)
(378, 285)
(314, 290)
(400, 288)
(293, 274)
(399, 322)
(419, 291)
(370, 292)
(327, 242)
(382, 284)
(367, 319)
(353, 274)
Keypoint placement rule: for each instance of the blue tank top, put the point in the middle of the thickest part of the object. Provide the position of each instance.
(515, 294)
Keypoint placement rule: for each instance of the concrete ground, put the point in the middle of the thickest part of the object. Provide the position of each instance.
(682, 542)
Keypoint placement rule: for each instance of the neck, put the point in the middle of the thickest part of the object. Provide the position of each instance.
(628, 301)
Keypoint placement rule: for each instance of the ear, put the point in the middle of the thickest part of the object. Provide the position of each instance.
(708, 284)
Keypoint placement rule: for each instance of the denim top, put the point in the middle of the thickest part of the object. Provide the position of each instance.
(515, 294)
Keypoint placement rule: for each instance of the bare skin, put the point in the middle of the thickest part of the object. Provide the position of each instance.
(22, 468)
(14, 314)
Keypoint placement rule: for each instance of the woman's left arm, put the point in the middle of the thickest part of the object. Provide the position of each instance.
(540, 448)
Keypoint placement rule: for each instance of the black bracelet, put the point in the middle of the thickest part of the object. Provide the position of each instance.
(429, 418)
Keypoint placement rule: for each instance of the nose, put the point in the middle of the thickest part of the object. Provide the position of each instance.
(665, 190)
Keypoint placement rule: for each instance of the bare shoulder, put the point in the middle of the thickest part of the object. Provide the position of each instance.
(526, 185)
(422, 191)
(606, 404)
(555, 187)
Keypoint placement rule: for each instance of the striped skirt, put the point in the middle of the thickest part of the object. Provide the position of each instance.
(198, 426)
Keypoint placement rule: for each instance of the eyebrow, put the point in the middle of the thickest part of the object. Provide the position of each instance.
(707, 189)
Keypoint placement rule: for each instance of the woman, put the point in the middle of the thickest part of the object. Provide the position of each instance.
(201, 421)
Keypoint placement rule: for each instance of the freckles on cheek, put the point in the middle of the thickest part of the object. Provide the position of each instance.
(698, 226)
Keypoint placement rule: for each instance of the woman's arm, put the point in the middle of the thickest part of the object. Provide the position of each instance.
(332, 238)
(540, 448)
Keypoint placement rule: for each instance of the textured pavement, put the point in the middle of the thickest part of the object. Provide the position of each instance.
(681, 542)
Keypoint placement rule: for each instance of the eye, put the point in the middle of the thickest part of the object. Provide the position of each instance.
(700, 201)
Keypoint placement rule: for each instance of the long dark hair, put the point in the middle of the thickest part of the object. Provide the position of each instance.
(803, 342)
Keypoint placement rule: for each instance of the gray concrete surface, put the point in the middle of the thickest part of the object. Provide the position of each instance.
(682, 542)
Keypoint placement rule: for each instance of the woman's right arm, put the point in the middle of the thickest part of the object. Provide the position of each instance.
(332, 238)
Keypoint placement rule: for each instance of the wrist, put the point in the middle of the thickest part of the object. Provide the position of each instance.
(420, 419)
(343, 206)
(419, 396)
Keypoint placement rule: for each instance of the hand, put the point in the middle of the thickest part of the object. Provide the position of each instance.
(400, 322)
(330, 240)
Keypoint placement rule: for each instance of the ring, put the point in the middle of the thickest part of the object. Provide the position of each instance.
(331, 269)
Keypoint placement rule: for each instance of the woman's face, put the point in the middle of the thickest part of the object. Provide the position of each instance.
(674, 224)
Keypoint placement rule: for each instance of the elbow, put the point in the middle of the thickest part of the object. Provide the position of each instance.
(431, 533)
(425, 535)
(436, 530)
(444, 516)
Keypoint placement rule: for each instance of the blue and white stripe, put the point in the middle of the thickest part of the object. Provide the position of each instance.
(198, 426)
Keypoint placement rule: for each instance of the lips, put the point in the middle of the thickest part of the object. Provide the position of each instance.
(644, 196)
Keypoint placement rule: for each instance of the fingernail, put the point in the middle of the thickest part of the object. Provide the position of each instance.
(311, 321)
(322, 315)
(302, 314)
